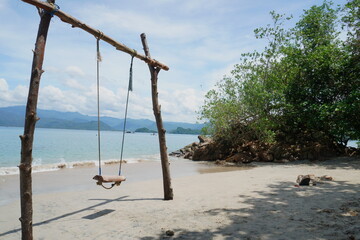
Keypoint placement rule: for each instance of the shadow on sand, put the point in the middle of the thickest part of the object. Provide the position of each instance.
(89, 208)
(326, 211)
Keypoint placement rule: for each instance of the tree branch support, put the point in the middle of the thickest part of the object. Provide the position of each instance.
(154, 71)
(29, 129)
(96, 33)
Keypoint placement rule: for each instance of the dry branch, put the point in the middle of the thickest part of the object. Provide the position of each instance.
(154, 71)
(97, 33)
(29, 129)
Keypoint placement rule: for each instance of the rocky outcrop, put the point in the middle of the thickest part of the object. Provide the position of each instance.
(208, 150)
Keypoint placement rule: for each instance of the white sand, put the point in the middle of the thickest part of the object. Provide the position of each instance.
(258, 203)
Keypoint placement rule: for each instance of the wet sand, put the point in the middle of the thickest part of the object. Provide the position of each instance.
(80, 178)
(256, 203)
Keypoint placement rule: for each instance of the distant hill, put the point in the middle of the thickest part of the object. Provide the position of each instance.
(181, 130)
(145, 130)
(14, 117)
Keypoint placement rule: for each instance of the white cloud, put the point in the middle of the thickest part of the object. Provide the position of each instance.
(74, 71)
(180, 105)
(4, 87)
(136, 22)
(73, 83)
(20, 94)
(9, 97)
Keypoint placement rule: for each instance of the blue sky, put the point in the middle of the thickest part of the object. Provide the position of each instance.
(200, 40)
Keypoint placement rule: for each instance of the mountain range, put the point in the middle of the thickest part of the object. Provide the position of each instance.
(15, 116)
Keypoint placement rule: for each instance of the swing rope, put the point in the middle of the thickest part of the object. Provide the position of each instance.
(99, 177)
(98, 60)
(130, 88)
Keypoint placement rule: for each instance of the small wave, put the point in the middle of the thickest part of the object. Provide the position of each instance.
(145, 158)
(47, 167)
(35, 169)
(9, 170)
(62, 164)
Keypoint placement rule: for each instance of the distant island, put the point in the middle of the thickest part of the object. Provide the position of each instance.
(181, 130)
(145, 130)
(178, 130)
(14, 117)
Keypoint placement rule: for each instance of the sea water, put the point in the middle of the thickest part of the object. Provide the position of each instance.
(59, 148)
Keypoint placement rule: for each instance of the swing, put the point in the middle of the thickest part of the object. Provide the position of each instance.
(116, 180)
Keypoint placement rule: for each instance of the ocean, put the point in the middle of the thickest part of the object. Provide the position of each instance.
(56, 148)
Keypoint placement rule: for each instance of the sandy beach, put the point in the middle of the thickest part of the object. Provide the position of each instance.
(209, 203)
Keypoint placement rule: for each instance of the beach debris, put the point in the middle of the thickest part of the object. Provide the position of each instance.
(311, 180)
(169, 233)
(351, 237)
(351, 208)
(306, 180)
(326, 178)
(327, 210)
(61, 165)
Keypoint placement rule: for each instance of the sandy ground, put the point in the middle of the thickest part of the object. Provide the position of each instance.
(256, 203)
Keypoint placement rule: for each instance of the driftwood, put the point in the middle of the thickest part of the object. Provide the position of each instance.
(109, 178)
(154, 71)
(97, 33)
(312, 180)
(29, 129)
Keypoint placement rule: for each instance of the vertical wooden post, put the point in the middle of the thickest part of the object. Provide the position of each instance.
(29, 128)
(154, 71)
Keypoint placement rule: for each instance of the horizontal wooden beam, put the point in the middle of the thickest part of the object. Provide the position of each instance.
(97, 33)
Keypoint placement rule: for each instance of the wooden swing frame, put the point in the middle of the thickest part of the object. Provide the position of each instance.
(49, 9)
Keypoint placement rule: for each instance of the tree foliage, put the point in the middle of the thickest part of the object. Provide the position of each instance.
(304, 83)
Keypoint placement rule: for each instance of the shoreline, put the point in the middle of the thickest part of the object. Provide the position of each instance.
(80, 177)
(256, 203)
(51, 167)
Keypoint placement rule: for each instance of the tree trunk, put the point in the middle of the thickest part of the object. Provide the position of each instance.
(154, 71)
(29, 128)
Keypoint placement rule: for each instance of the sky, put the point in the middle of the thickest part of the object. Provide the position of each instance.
(200, 40)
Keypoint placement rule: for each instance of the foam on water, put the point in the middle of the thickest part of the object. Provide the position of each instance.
(38, 167)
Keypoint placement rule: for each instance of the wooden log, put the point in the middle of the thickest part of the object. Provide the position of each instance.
(29, 129)
(97, 33)
(154, 71)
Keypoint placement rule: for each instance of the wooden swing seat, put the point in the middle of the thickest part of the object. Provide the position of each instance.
(109, 179)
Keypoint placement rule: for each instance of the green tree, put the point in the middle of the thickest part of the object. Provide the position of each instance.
(304, 83)
(351, 104)
(322, 96)
(245, 105)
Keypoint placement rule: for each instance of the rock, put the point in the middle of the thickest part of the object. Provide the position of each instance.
(281, 161)
(169, 233)
(203, 139)
(194, 144)
(209, 152)
(249, 150)
(188, 155)
(177, 153)
(265, 156)
(306, 180)
(276, 151)
(220, 162)
(239, 158)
